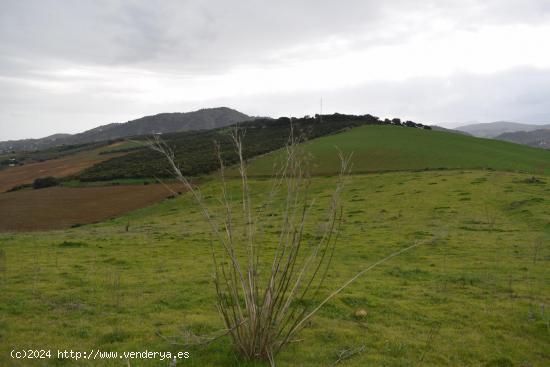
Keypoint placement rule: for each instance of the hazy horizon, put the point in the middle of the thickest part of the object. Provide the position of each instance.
(67, 67)
(447, 125)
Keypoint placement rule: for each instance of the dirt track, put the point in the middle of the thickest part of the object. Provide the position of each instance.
(62, 207)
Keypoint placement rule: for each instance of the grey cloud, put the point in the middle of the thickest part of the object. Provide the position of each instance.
(188, 33)
(200, 35)
(518, 95)
(197, 37)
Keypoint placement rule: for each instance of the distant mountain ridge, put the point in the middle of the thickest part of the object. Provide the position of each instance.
(208, 118)
(494, 129)
(537, 138)
(440, 128)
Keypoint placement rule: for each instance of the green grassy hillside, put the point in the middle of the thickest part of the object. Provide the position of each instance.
(476, 293)
(389, 148)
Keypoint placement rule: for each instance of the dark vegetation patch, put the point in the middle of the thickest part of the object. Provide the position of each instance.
(415, 273)
(465, 280)
(116, 336)
(81, 332)
(485, 229)
(20, 187)
(421, 234)
(521, 203)
(71, 244)
(43, 182)
(478, 180)
(195, 150)
(176, 302)
(532, 180)
(116, 262)
(499, 362)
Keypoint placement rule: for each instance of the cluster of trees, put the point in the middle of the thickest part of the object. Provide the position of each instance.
(8, 162)
(370, 120)
(195, 150)
(43, 182)
(39, 183)
(365, 119)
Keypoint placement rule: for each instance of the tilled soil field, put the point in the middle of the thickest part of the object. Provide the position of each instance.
(63, 207)
(60, 167)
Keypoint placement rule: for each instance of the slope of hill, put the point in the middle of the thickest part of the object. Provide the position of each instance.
(389, 148)
(58, 166)
(209, 118)
(537, 138)
(493, 129)
(33, 144)
(27, 157)
(472, 294)
(440, 128)
(195, 150)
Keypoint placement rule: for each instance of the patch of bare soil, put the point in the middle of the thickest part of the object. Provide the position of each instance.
(63, 207)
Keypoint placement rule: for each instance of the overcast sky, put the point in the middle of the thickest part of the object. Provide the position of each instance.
(67, 66)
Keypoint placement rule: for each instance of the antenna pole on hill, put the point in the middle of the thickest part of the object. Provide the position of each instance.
(321, 110)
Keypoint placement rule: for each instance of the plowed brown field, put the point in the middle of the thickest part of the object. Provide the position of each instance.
(60, 167)
(62, 207)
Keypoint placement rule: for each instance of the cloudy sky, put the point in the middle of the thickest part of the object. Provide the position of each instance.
(66, 66)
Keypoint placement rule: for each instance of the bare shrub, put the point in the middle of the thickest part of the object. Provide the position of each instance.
(267, 289)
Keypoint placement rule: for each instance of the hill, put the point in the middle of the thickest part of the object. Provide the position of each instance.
(391, 148)
(493, 129)
(195, 151)
(144, 279)
(440, 128)
(208, 118)
(33, 144)
(537, 138)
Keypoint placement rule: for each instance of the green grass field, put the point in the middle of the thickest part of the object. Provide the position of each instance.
(392, 148)
(475, 293)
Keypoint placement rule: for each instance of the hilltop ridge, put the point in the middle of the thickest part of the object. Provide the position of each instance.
(208, 118)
